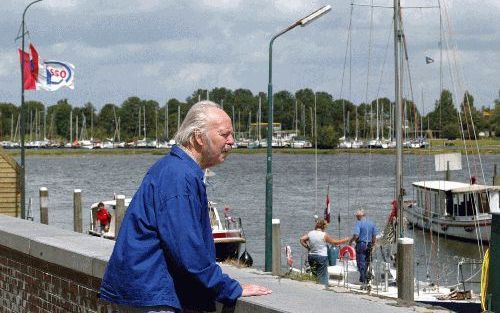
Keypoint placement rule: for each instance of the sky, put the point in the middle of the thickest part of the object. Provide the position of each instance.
(160, 49)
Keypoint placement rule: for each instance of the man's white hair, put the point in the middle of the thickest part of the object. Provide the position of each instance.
(196, 120)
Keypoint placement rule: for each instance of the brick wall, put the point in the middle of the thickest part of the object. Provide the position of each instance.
(28, 284)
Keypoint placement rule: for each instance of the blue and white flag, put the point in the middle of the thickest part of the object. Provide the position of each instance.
(54, 75)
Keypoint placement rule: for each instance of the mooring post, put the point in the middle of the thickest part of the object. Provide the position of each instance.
(44, 205)
(77, 211)
(405, 278)
(493, 294)
(119, 212)
(276, 241)
(496, 178)
(387, 272)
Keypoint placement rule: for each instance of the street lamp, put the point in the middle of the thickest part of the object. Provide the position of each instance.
(269, 176)
(23, 125)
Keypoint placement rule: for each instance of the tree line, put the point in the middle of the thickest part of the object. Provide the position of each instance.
(136, 118)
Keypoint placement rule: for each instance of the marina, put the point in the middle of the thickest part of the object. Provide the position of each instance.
(356, 180)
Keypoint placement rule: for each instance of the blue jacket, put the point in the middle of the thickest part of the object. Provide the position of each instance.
(164, 253)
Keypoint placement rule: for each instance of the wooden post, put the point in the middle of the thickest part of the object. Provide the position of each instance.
(496, 178)
(276, 240)
(405, 279)
(77, 211)
(119, 213)
(44, 205)
(448, 176)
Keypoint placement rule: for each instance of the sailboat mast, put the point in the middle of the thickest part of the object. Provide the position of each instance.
(398, 110)
(144, 124)
(71, 126)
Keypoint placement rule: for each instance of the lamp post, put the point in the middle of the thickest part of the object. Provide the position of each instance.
(269, 176)
(23, 126)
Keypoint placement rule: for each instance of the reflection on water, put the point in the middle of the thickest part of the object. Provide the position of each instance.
(354, 180)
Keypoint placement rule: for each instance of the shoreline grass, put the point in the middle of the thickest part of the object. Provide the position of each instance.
(485, 146)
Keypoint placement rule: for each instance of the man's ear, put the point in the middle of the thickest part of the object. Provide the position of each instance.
(198, 138)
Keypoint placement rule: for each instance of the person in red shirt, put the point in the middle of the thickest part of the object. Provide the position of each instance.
(103, 218)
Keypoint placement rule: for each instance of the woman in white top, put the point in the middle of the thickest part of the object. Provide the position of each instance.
(316, 243)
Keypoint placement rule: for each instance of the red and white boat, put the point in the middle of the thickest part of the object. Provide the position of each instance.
(227, 231)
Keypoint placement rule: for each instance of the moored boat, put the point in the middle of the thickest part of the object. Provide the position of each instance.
(227, 231)
(455, 209)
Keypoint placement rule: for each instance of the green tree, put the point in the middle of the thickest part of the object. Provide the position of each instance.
(444, 113)
(129, 118)
(327, 137)
(107, 121)
(8, 120)
(471, 116)
(451, 131)
(59, 114)
(495, 119)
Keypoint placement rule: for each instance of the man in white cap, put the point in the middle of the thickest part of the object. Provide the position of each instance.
(365, 235)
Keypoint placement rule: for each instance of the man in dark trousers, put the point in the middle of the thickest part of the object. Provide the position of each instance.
(365, 236)
(164, 256)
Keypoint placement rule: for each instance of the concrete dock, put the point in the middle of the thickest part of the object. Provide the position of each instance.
(300, 296)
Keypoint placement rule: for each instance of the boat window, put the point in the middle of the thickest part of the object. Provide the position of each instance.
(469, 198)
(456, 204)
(449, 203)
(436, 202)
(461, 205)
(484, 204)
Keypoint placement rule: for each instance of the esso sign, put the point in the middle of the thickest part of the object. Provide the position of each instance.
(55, 72)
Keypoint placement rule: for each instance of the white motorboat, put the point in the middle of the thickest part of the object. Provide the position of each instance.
(455, 209)
(226, 230)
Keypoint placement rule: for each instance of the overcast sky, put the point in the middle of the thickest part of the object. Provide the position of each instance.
(158, 49)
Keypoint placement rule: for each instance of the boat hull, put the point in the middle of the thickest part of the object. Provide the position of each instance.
(227, 249)
(467, 228)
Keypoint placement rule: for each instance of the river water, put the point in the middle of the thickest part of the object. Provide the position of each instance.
(355, 180)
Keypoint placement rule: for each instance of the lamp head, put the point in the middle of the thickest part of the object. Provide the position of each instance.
(316, 14)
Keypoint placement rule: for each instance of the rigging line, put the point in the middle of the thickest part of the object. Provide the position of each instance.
(385, 57)
(369, 54)
(453, 59)
(440, 63)
(348, 43)
(392, 7)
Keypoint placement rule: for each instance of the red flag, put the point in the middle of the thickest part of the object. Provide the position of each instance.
(34, 62)
(29, 80)
(327, 208)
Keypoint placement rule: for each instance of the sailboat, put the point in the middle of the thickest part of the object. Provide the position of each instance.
(451, 204)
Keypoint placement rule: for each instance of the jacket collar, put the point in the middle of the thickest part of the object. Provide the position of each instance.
(178, 152)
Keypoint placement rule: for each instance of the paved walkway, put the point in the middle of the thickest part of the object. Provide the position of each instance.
(301, 297)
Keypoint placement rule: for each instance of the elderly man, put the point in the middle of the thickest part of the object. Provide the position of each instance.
(365, 236)
(164, 256)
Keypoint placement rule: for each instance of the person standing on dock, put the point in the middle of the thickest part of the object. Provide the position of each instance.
(164, 256)
(316, 242)
(103, 218)
(365, 236)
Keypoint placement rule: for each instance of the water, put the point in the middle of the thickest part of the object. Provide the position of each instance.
(355, 180)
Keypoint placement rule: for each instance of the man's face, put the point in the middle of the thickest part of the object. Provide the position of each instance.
(218, 139)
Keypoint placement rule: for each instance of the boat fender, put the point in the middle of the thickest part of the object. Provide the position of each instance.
(347, 253)
(246, 259)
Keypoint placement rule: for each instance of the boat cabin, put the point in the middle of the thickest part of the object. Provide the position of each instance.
(447, 198)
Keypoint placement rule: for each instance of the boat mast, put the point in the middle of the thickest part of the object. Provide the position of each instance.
(398, 110)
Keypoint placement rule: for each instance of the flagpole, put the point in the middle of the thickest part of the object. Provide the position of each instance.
(23, 126)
